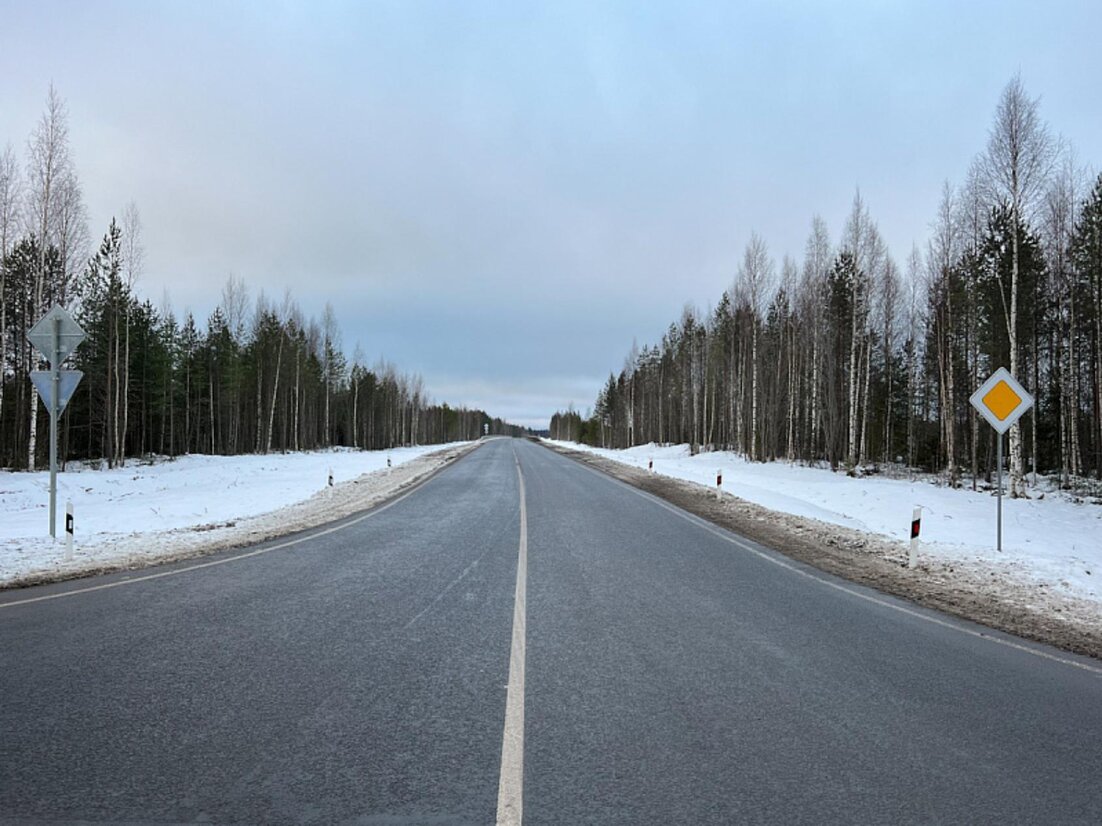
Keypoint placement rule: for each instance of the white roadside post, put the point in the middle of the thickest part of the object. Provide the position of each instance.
(719, 484)
(650, 464)
(330, 477)
(68, 530)
(916, 528)
(1002, 401)
(55, 335)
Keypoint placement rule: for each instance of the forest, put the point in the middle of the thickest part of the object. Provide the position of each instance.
(256, 376)
(851, 358)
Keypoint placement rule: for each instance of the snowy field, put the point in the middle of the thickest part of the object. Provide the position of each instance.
(1052, 540)
(160, 508)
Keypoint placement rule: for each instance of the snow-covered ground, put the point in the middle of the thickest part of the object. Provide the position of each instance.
(1052, 540)
(160, 508)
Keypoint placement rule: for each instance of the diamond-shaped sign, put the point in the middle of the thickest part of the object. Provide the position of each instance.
(44, 383)
(70, 335)
(1001, 400)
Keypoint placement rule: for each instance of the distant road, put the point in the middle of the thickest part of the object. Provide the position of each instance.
(661, 671)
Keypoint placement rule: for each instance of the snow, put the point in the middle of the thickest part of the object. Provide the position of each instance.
(1052, 540)
(146, 511)
(159, 508)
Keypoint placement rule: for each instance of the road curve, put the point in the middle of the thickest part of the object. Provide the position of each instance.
(675, 673)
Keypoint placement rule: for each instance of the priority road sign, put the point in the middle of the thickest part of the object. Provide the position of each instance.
(1001, 400)
(68, 334)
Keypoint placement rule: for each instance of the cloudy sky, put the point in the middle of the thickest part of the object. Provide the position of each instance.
(501, 196)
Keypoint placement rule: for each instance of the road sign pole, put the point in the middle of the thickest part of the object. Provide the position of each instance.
(55, 378)
(55, 336)
(1001, 400)
(999, 462)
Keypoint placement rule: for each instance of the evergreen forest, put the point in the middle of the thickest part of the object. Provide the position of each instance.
(855, 358)
(256, 376)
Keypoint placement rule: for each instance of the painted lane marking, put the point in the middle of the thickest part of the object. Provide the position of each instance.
(739, 543)
(510, 790)
(249, 554)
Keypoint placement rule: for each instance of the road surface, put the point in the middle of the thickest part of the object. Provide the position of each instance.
(523, 639)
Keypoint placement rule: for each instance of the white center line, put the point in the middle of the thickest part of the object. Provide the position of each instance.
(510, 790)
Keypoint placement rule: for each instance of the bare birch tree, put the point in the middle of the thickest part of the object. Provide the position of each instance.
(942, 256)
(790, 275)
(1017, 164)
(133, 263)
(755, 281)
(889, 294)
(816, 266)
(862, 240)
(1059, 215)
(48, 163)
(916, 324)
(972, 226)
(330, 344)
(70, 237)
(10, 200)
(235, 303)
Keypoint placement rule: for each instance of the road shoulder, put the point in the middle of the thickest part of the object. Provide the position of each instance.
(137, 551)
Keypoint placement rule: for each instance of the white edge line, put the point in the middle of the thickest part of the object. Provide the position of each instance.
(296, 541)
(510, 795)
(703, 524)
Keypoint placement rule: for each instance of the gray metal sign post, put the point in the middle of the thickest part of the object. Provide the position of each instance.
(999, 496)
(1002, 401)
(55, 335)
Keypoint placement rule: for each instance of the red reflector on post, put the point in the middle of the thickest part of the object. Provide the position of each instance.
(915, 527)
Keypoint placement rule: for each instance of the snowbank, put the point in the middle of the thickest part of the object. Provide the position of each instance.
(152, 510)
(1054, 540)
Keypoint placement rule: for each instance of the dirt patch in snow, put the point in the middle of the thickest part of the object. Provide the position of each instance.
(995, 598)
(123, 552)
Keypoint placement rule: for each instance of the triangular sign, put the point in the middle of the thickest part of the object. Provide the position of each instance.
(70, 334)
(44, 383)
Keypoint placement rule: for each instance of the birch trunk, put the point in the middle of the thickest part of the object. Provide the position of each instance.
(1012, 332)
(125, 389)
(864, 401)
(213, 448)
(851, 432)
(295, 402)
(753, 390)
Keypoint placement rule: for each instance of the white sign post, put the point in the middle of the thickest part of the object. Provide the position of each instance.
(55, 335)
(916, 529)
(69, 530)
(1002, 401)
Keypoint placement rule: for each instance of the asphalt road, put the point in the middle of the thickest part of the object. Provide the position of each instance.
(672, 673)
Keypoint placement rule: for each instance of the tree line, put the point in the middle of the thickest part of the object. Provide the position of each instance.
(256, 376)
(851, 358)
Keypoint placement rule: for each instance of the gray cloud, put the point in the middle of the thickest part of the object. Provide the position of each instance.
(503, 197)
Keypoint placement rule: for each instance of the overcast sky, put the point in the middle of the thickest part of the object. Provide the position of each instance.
(501, 196)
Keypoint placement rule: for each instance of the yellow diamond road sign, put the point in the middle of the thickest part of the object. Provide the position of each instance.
(1001, 400)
